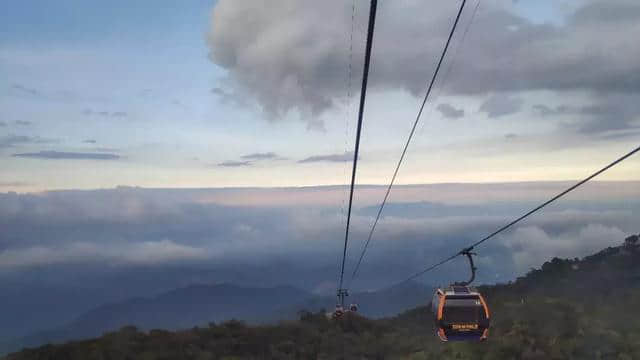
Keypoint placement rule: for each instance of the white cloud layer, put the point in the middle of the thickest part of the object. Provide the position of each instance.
(294, 54)
(79, 253)
(292, 242)
(531, 245)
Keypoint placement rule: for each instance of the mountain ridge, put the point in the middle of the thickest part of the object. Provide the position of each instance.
(200, 304)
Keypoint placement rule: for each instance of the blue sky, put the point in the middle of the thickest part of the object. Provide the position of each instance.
(145, 83)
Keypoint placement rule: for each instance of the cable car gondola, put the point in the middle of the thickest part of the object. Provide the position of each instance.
(338, 312)
(460, 312)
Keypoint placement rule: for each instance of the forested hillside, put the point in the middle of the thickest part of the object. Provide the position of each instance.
(568, 309)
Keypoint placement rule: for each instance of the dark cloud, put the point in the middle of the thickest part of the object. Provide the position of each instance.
(346, 157)
(617, 113)
(500, 105)
(620, 135)
(219, 92)
(23, 123)
(11, 141)
(227, 97)
(232, 163)
(179, 103)
(450, 112)
(545, 110)
(116, 114)
(606, 115)
(89, 141)
(602, 12)
(316, 125)
(262, 156)
(25, 90)
(510, 136)
(3, 124)
(104, 149)
(300, 61)
(249, 159)
(578, 55)
(58, 155)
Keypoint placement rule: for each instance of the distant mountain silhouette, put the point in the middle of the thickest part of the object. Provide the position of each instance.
(376, 304)
(197, 305)
(180, 308)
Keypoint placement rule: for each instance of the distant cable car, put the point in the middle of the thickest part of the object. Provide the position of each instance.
(338, 312)
(460, 312)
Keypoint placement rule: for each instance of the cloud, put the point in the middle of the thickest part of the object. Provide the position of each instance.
(25, 90)
(179, 103)
(229, 97)
(58, 155)
(14, 183)
(103, 113)
(143, 253)
(619, 135)
(500, 105)
(449, 111)
(232, 163)
(510, 136)
(532, 245)
(300, 61)
(262, 156)
(89, 141)
(605, 116)
(545, 110)
(104, 149)
(17, 122)
(346, 157)
(11, 141)
(295, 243)
(250, 159)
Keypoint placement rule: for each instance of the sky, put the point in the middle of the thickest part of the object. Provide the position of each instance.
(228, 93)
(155, 144)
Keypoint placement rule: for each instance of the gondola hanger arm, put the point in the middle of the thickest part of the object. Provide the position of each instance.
(469, 254)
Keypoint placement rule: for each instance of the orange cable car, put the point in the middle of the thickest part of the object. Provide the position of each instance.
(460, 312)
